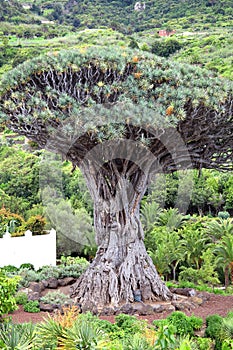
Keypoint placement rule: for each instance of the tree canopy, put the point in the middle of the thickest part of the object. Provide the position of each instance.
(40, 95)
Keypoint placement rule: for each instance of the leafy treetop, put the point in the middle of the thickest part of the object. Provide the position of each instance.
(130, 95)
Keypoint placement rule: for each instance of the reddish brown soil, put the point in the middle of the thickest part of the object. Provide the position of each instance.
(217, 304)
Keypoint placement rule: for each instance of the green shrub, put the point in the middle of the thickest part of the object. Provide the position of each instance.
(227, 344)
(160, 323)
(32, 306)
(227, 327)
(8, 287)
(106, 326)
(70, 260)
(184, 325)
(129, 324)
(204, 343)
(9, 268)
(165, 339)
(36, 224)
(57, 298)
(223, 215)
(214, 329)
(136, 342)
(166, 47)
(21, 298)
(27, 266)
(28, 276)
(72, 270)
(195, 322)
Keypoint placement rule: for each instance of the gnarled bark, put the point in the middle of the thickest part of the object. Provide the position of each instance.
(121, 266)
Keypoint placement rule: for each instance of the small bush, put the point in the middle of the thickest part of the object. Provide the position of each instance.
(70, 260)
(160, 323)
(183, 324)
(28, 276)
(214, 329)
(195, 322)
(204, 343)
(223, 215)
(56, 298)
(9, 268)
(8, 287)
(129, 324)
(21, 298)
(36, 224)
(27, 266)
(166, 338)
(32, 306)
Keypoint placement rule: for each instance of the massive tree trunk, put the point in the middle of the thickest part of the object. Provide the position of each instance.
(121, 266)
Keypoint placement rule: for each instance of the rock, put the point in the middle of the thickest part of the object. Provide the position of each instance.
(89, 306)
(66, 281)
(188, 292)
(25, 290)
(178, 306)
(46, 307)
(34, 296)
(36, 287)
(184, 305)
(45, 283)
(158, 308)
(139, 309)
(196, 300)
(125, 309)
(205, 296)
(169, 307)
(107, 311)
(57, 307)
(52, 283)
(143, 309)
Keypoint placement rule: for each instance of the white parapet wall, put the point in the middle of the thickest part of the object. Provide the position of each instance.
(38, 250)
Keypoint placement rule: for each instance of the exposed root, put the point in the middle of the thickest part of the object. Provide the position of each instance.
(106, 283)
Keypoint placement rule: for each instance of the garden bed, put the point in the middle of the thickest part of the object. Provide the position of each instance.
(217, 304)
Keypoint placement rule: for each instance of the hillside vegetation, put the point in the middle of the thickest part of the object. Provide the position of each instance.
(203, 29)
(122, 15)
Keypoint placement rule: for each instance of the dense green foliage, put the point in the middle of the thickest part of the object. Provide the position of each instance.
(31, 306)
(183, 325)
(203, 29)
(8, 286)
(122, 15)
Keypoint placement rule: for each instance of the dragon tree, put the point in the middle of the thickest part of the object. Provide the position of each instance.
(120, 116)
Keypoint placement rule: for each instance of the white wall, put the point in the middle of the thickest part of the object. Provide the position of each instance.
(38, 250)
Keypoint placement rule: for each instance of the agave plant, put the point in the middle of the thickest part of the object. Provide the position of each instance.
(227, 327)
(82, 335)
(138, 343)
(17, 336)
(48, 333)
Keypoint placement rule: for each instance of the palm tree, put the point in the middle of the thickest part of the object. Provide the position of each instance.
(219, 228)
(170, 251)
(150, 213)
(172, 219)
(195, 242)
(224, 252)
